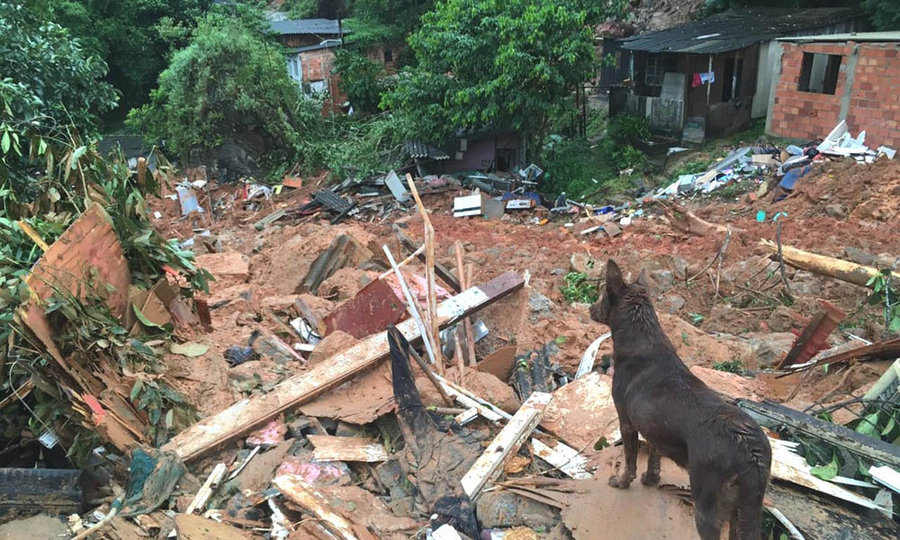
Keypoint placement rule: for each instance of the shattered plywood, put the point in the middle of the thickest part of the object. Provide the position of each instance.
(639, 511)
(314, 501)
(191, 527)
(360, 401)
(358, 449)
(249, 413)
(582, 412)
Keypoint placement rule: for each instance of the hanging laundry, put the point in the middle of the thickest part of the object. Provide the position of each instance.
(696, 81)
(708, 77)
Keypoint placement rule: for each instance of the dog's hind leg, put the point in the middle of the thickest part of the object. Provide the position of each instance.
(630, 439)
(651, 476)
(713, 500)
(747, 516)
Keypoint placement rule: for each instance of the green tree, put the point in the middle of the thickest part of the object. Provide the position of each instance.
(884, 14)
(362, 80)
(510, 64)
(126, 34)
(228, 84)
(385, 21)
(49, 78)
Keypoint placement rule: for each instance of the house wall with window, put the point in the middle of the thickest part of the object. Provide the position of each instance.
(821, 84)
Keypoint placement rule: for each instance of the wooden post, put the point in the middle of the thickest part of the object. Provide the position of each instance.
(431, 306)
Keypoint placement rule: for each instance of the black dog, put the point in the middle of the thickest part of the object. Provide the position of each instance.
(726, 453)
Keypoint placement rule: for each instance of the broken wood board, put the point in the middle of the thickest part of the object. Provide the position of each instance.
(359, 401)
(562, 457)
(364, 509)
(356, 449)
(191, 527)
(791, 467)
(850, 272)
(505, 444)
(495, 414)
(87, 253)
(442, 271)
(635, 513)
(298, 491)
(770, 413)
(819, 518)
(582, 412)
(881, 350)
(257, 410)
(590, 355)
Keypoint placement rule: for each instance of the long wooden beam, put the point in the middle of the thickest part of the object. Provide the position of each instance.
(248, 414)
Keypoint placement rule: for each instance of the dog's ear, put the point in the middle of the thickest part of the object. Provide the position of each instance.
(643, 279)
(615, 283)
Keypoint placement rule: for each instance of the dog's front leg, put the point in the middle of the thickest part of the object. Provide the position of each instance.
(651, 477)
(630, 438)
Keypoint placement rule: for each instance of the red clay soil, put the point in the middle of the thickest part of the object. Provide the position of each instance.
(281, 254)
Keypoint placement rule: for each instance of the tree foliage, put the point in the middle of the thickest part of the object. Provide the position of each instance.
(481, 63)
(362, 80)
(126, 34)
(884, 14)
(385, 21)
(228, 84)
(47, 77)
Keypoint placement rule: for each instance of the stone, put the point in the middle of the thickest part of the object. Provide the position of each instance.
(330, 345)
(680, 267)
(836, 211)
(770, 348)
(664, 279)
(502, 509)
(229, 264)
(672, 303)
(886, 260)
(584, 264)
(540, 307)
(558, 272)
(781, 320)
(858, 256)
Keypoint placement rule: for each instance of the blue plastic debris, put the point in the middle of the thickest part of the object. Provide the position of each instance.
(761, 216)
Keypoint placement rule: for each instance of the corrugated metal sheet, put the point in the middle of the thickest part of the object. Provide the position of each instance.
(307, 26)
(860, 37)
(734, 30)
(420, 150)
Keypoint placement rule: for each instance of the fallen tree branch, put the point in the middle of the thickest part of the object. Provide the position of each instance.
(850, 272)
(719, 256)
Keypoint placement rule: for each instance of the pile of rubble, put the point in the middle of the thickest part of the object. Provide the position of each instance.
(383, 366)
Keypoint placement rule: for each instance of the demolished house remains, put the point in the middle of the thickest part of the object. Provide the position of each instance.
(436, 351)
(373, 360)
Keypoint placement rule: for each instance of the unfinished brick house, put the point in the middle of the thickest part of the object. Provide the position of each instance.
(826, 79)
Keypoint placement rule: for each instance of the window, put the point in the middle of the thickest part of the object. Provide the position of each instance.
(388, 55)
(731, 82)
(819, 73)
(295, 68)
(653, 76)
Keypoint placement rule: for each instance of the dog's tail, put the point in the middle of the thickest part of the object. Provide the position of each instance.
(753, 481)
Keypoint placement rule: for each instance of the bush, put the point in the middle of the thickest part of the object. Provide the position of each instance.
(571, 165)
(626, 129)
(229, 83)
(361, 79)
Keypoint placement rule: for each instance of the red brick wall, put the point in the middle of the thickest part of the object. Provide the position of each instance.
(874, 91)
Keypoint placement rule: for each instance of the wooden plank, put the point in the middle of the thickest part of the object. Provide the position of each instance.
(505, 444)
(206, 490)
(191, 527)
(882, 349)
(791, 467)
(357, 449)
(257, 410)
(857, 443)
(886, 476)
(298, 491)
(565, 458)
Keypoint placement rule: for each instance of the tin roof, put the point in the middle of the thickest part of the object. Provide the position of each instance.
(307, 26)
(420, 150)
(859, 37)
(734, 30)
